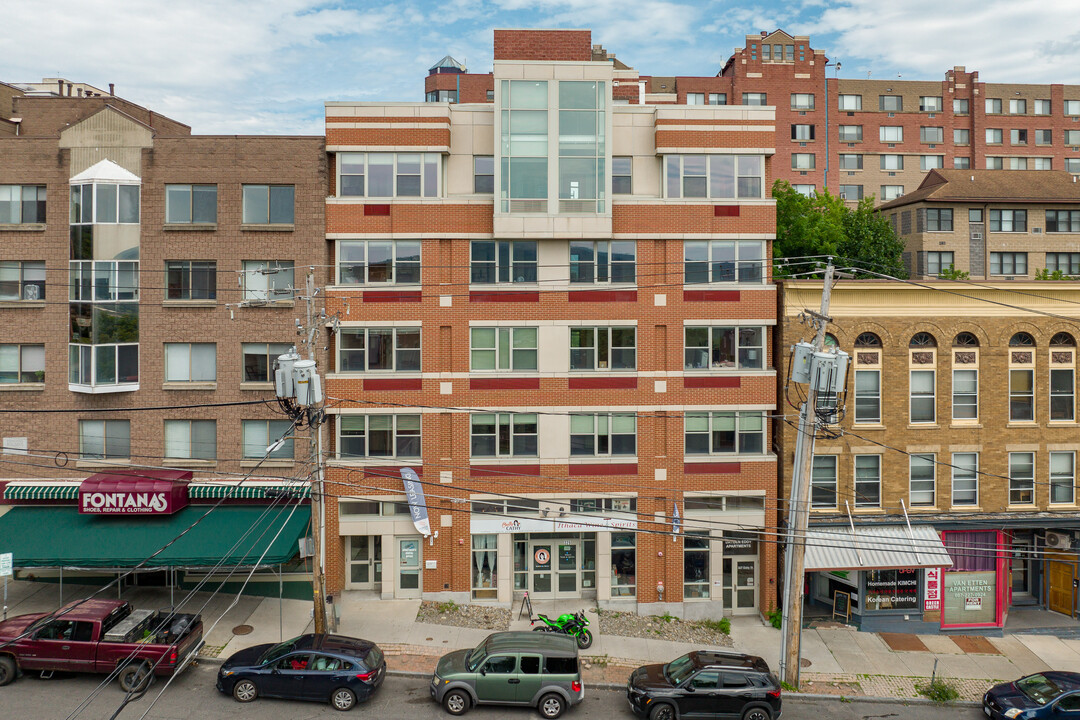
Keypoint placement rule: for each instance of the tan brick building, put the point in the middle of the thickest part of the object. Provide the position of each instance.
(960, 416)
(555, 308)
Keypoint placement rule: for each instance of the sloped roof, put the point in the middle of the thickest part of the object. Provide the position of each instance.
(105, 171)
(447, 62)
(1036, 186)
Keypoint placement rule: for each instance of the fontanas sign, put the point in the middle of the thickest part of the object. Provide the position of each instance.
(134, 494)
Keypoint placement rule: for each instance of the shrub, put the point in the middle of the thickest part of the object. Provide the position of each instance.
(776, 617)
(938, 690)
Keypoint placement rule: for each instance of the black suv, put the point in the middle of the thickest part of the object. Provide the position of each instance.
(705, 684)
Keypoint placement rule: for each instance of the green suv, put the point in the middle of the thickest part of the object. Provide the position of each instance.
(511, 668)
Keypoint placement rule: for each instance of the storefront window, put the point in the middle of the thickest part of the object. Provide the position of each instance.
(484, 574)
(892, 589)
(623, 565)
(521, 565)
(696, 566)
(970, 598)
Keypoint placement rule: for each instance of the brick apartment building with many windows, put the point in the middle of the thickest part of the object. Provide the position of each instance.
(556, 308)
(859, 137)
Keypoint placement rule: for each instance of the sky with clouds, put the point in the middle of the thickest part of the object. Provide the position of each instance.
(237, 67)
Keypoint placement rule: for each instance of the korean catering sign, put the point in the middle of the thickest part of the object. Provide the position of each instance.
(134, 492)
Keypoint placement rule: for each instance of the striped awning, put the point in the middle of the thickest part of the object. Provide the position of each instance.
(875, 548)
(19, 491)
(208, 491)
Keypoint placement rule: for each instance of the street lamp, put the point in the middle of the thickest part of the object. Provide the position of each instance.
(836, 72)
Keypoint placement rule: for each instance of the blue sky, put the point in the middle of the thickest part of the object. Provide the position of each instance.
(238, 67)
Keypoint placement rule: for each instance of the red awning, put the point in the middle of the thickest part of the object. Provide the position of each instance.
(135, 480)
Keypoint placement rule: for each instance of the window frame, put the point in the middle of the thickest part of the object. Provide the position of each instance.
(396, 351)
(939, 219)
(38, 205)
(268, 269)
(822, 482)
(1056, 218)
(603, 254)
(192, 188)
(270, 359)
(968, 477)
(860, 495)
(401, 262)
(1069, 395)
(504, 266)
(429, 173)
(1021, 494)
(923, 396)
(931, 462)
(619, 174)
(22, 376)
(931, 107)
(272, 207)
(971, 399)
(885, 101)
(1059, 481)
(743, 440)
(1016, 219)
(479, 185)
(400, 440)
(735, 269)
(603, 342)
(885, 131)
(505, 442)
(802, 101)
(841, 102)
(187, 271)
(285, 452)
(209, 452)
(998, 264)
(24, 286)
(507, 351)
(745, 182)
(597, 433)
(119, 425)
(1021, 395)
(857, 419)
(737, 348)
(181, 348)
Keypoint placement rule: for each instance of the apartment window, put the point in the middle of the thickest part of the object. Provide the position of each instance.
(22, 204)
(1044, 137)
(993, 136)
(937, 260)
(923, 399)
(1072, 107)
(1042, 163)
(993, 106)
(622, 175)
(823, 482)
(1017, 106)
(965, 399)
(22, 364)
(851, 133)
(1068, 263)
(1008, 263)
(890, 103)
(1008, 221)
(995, 163)
(754, 99)
(710, 433)
(718, 98)
(714, 176)
(931, 134)
(695, 98)
(851, 161)
(1062, 221)
(789, 53)
(269, 204)
(1062, 477)
(850, 102)
(190, 362)
(258, 435)
(867, 481)
(805, 190)
(191, 439)
(483, 174)
(104, 203)
(503, 261)
(603, 261)
(868, 396)
(802, 132)
(891, 192)
(803, 161)
(22, 280)
(603, 348)
(961, 163)
(259, 360)
(603, 434)
(1062, 394)
(386, 175)
(268, 280)
(443, 96)
(929, 162)
(190, 204)
(802, 101)
(922, 480)
(961, 107)
(851, 192)
(939, 220)
(891, 162)
(374, 349)
(696, 565)
(104, 439)
(378, 436)
(190, 280)
(1042, 107)
(1072, 137)
(891, 134)
(379, 262)
(1021, 395)
(1018, 137)
(965, 478)
(724, 348)
(930, 104)
(961, 136)
(504, 434)
(1018, 163)
(503, 348)
(1021, 478)
(1072, 165)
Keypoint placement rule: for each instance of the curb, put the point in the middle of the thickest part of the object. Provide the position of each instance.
(878, 699)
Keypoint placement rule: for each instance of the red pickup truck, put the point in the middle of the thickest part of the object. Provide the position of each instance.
(98, 636)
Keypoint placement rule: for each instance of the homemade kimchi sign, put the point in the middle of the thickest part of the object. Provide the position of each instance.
(144, 494)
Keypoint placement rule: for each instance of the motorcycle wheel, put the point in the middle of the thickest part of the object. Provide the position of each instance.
(541, 629)
(584, 640)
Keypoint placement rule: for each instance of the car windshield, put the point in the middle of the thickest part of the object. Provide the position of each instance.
(277, 651)
(475, 658)
(679, 669)
(1039, 688)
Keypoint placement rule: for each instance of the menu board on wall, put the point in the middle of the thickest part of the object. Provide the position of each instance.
(892, 589)
(970, 598)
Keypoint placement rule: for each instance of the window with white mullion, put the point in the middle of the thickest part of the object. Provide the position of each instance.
(1062, 477)
(388, 175)
(723, 261)
(378, 262)
(1021, 478)
(602, 261)
(868, 396)
(867, 481)
(603, 348)
(190, 362)
(503, 348)
(724, 348)
(965, 400)
(724, 432)
(603, 434)
(504, 434)
(373, 349)
(823, 482)
(923, 480)
(378, 436)
(965, 478)
(923, 401)
(1021, 395)
(1062, 394)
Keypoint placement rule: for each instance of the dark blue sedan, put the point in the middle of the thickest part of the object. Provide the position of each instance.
(1043, 695)
(327, 668)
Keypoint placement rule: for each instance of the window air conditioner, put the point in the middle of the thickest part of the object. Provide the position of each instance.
(1060, 541)
(976, 236)
(843, 196)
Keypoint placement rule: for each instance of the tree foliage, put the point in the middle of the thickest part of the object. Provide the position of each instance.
(825, 225)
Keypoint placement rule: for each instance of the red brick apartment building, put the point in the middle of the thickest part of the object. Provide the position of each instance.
(859, 137)
(556, 308)
(142, 266)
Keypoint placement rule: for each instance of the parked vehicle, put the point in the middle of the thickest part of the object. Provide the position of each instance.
(337, 669)
(1053, 694)
(705, 684)
(573, 624)
(98, 636)
(511, 668)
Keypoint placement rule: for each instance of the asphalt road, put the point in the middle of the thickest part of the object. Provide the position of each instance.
(192, 696)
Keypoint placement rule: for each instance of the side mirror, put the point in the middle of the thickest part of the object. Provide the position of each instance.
(483, 670)
(689, 687)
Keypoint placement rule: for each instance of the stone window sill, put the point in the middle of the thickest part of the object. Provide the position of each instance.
(256, 386)
(966, 426)
(190, 303)
(112, 462)
(1023, 424)
(267, 463)
(14, 304)
(189, 386)
(260, 227)
(867, 426)
(22, 387)
(923, 426)
(22, 227)
(189, 227)
(190, 462)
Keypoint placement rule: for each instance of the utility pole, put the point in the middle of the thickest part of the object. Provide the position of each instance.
(799, 505)
(318, 587)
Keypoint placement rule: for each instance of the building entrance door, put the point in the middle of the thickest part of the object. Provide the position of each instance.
(365, 562)
(740, 585)
(1020, 570)
(409, 567)
(1060, 571)
(555, 568)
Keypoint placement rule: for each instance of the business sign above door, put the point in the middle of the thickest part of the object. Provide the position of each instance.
(140, 493)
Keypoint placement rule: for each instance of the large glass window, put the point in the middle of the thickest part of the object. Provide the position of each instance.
(504, 434)
(891, 134)
(190, 362)
(190, 280)
(923, 400)
(1021, 395)
(104, 204)
(890, 103)
(1063, 221)
(524, 120)
(582, 146)
(22, 364)
(696, 565)
(602, 261)
(850, 102)
(22, 204)
(603, 348)
(965, 397)
(724, 348)
(716, 261)
(503, 348)
(269, 204)
(503, 261)
(755, 98)
(802, 101)
(867, 481)
(1062, 477)
(922, 478)
(823, 482)
(22, 280)
(939, 220)
(377, 262)
(262, 434)
(485, 575)
(191, 439)
(868, 396)
(622, 175)
(378, 436)
(851, 133)
(1008, 263)
(1062, 394)
(483, 174)
(105, 439)
(724, 432)
(390, 349)
(1008, 221)
(268, 280)
(190, 204)
(931, 103)
(259, 360)
(714, 176)
(1021, 478)
(380, 175)
(623, 564)
(965, 478)
(603, 434)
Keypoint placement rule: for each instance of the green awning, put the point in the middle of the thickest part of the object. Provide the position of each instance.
(68, 491)
(62, 537)
(208, 491)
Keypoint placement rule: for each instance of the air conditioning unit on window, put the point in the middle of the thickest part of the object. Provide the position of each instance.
(843, 196)
(1058, 541)
(976, 236)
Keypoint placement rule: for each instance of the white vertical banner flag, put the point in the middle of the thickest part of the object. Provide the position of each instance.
(414, 493)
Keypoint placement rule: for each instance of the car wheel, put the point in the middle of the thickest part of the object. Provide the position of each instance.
(134, 678)
(245, 691)
(551, 706)
(757, 713)
(663, 711)
(8, 670)
(584, 640)
(343, 699)
(456, 702)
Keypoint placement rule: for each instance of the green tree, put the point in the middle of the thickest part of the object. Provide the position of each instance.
(825, 225)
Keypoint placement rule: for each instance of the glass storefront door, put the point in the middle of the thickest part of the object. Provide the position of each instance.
(541, 569)
(740, 584)
(555, 568)
(409, 567)
(365, 562)
(568, 581)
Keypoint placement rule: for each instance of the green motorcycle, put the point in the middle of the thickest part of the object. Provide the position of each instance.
(573, 624)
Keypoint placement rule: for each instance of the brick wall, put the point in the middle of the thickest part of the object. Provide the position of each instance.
(558, 45)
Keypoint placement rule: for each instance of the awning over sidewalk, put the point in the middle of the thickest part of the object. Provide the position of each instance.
(875, 548)
(62, 537)
(41, 491)
(247, 491)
